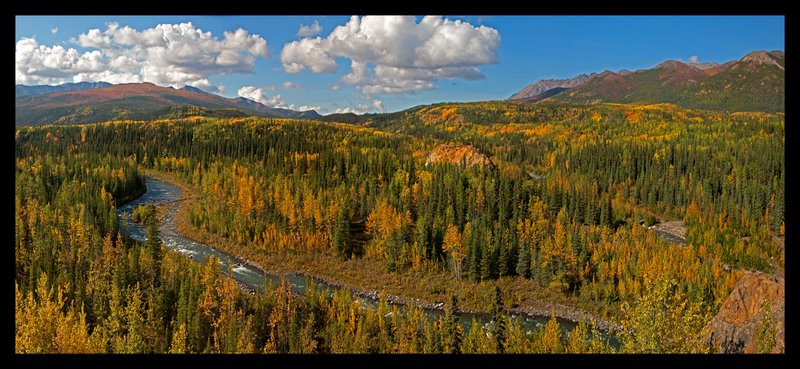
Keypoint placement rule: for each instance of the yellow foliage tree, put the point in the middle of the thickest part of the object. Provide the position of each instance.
(454, 246)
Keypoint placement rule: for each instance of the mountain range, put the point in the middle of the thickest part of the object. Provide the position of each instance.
(24, 90)
(98, 102)
(755, 82)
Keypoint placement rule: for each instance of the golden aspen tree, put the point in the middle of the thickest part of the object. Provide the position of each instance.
(178, 345)
(454, 247)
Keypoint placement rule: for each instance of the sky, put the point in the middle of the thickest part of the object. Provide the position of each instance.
(370, 63)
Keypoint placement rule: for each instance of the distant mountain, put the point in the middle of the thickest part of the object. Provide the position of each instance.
(137, 101)
(753, 83)
(649, 85)
(543, 95)
(704, 66)
(195, 89)
(542, 86)
(25, 90)
(294, 114)
(250, 105)
(350, 118)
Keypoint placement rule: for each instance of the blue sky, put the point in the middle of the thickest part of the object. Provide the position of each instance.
(402, 62)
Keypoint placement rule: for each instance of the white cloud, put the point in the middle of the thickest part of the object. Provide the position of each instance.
(40, 64)
(95, 39)
(378, 105)
(288, 85)
(54, 30)
(258, 94)
(307, 53)
(167, 55)
(310, 30)
(360, 109)
(693, 59)
(397, 54)
(306, 108)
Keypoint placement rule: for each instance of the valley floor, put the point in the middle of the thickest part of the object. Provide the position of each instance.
(425, 288)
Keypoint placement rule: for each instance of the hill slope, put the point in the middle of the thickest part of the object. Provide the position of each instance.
(754, 83)
(133, 101)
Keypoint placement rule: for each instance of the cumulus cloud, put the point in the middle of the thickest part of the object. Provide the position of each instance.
(359, 109)
(693, 59)
(258, 94)
(310, 30)
(378, 105)
(54, 30)
(288, 85)
(396, 54)
(167, 55)
(307, 53)
(37, 63)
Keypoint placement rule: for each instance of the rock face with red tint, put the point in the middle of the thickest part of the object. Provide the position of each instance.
(459, 154)
(735, 328)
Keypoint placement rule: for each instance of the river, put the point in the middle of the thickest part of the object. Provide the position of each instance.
(160, 192)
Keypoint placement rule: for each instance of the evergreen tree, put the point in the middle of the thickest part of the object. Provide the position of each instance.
(524, 261)
(499, 325)
(341, 233)
(153, 243)
(487, 257)
(453, 331)
(778, 215)
(606, 216)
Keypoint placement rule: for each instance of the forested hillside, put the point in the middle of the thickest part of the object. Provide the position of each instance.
(560, 214)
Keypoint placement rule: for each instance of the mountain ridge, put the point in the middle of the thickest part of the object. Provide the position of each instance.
(133, 101)
(544, 85)
(754, 82)
(26, 90)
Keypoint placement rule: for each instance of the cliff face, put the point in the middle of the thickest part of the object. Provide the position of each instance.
(735, 327)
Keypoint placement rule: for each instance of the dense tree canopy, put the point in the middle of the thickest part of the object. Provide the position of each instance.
(561, 208)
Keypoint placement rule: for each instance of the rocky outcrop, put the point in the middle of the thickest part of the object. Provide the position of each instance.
(762, 57)
(704, 66)
(673, 231)
(459, 154)
(545, 85)
(735, 328)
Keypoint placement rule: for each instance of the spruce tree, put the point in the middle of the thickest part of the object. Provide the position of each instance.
(503, 258)
(524, 261)
(499, 326)
(341, 233)
(452, 321)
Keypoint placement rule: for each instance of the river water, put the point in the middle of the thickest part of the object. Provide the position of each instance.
(160, 192)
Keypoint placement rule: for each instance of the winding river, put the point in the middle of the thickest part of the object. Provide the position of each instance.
(160, 192)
